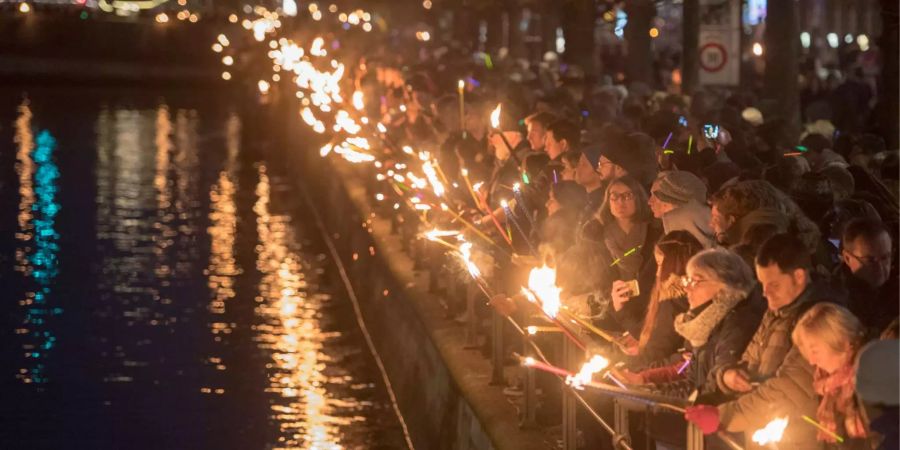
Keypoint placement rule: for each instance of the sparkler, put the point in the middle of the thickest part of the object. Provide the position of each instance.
(486, 207)
(468, 183)
(585, 376)
(461, 89)
(495, 123)
(542, 290)
(520, 202)
(512, 218)
(771, 433)
(467, 224)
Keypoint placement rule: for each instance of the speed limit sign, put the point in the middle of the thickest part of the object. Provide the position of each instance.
(719, 42)
(713, 57)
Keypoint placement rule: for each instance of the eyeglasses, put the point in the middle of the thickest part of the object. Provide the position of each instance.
(690, 282)
(625, 196)
(871, 260)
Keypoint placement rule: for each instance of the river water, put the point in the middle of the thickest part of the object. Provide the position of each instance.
(162, 287)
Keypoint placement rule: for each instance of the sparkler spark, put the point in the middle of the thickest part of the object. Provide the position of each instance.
(585, 376)
(771, 433)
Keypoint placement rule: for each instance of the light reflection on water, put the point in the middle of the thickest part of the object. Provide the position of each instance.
(36, 254)
(188, 317)
(307, 414)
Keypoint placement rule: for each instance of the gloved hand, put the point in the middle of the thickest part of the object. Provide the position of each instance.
(706, 417)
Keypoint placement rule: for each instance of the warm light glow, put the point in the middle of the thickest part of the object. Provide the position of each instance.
(358, 100)
(24, 8)
(263, 86)
(586, 374)
(465, 253)
(863, 42)
(757, 49)
(162, 18)
(431, 174)
(654, 32)
(542, 282)
(771, 433)
(436, 233)
(460, 85)
(495, 116)
(227, 60)
(226, 76)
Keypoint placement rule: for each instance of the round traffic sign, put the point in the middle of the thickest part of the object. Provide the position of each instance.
(713, 57)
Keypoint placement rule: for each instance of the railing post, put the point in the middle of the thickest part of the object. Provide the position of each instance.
(529, 418)
(497, 356)
(620, 423)
(571, 356)
(471, 318)
(694, 438)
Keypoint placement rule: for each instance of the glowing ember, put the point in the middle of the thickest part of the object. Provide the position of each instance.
(771, 433)
(358, 100)
(495, 116)
(585, 375)
(431, 174)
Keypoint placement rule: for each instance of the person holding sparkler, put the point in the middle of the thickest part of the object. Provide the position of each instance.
(771, 376)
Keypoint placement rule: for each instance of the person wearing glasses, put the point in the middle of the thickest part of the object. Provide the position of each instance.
(625, 233)
(725, 309)
(771, 375)
(866, 274)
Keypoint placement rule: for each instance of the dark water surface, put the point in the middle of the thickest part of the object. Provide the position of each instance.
(161, 286)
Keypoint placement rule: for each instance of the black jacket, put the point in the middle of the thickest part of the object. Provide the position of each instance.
(875, 308)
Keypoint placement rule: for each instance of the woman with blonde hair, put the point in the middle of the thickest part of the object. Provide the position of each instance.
(829, 337)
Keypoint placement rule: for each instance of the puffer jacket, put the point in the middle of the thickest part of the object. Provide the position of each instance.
(772, 341)
(788, 393)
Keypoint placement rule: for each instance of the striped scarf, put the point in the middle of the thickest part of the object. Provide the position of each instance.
(838, 399)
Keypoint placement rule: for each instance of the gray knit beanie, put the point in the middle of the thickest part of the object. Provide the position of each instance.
(679, 187)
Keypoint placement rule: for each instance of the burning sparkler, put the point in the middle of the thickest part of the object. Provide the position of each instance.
(585, 376)
(771, 433)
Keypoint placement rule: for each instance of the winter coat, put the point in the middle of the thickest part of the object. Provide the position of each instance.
(875, 308)
(734, 235)
(789, 393)
(772, 341)
(714, 341)
(631, 317)
(663, 340)
(692, 217)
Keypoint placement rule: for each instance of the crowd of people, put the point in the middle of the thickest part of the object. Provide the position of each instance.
(736, 261)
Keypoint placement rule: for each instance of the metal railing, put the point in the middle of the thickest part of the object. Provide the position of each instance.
(624, 401)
